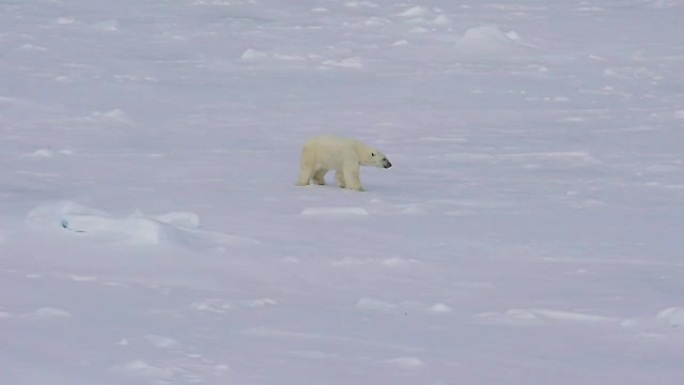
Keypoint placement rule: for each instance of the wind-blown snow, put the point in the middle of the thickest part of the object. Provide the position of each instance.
(529, 232)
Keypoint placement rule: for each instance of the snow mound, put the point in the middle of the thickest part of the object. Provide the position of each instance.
(218, 306)
(417, 11)
(31, 47)
(112, 116)
(673, 316)
(287, 57)
(392, 262)
(40, 153)
(252, 54)
(366, 303)
(361, 4)
(65, 21)
(423, 15)
(377, 21)
(670, 318)
(161, 342)
(111, 25)
(439, 308)
(43, 313)
(180, 219)
(409, 363)
(51, 312)
(540, 316)
(46, 153)
(175, 227)
(352, 63)
(142, 368)
(490, 39)
(442, 20)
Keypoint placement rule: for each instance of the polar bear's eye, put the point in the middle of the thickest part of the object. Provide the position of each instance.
(372, 154)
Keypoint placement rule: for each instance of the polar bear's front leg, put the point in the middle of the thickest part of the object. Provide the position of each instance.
(307, 163)
(339, 177)
(319, 176)
(305, 173)
(351, 177)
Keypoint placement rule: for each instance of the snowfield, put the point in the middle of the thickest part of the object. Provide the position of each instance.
(530, 231)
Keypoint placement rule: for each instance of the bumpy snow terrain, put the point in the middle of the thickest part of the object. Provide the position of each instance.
(530, 231)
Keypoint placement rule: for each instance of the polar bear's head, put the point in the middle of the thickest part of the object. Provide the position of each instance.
(377, 159)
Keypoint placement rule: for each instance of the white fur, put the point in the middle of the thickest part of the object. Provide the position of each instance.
(344, 155)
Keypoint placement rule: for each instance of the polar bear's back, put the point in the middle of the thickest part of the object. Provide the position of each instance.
(330, 151)
(331, 142)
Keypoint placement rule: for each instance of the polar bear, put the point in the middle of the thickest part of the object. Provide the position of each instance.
(344, 155)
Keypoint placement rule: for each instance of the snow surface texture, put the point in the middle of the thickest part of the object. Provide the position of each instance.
(530, 231)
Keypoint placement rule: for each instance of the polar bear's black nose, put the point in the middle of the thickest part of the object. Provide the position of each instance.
(387, 164)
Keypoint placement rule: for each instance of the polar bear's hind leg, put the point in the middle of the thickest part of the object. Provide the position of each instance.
(319, 176)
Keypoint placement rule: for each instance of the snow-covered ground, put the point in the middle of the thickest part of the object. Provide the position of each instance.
(530, 231)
